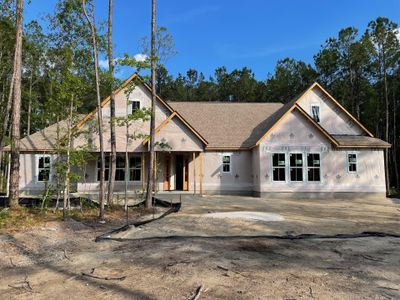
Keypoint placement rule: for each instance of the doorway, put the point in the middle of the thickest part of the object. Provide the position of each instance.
(182, 173)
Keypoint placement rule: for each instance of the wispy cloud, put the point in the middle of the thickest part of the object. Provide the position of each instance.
(192, 14)
(234, 51)
(103, 63)
(140, 57)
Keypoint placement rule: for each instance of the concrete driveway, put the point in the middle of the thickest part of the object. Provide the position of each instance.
(233, 216)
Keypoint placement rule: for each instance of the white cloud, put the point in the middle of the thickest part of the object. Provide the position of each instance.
(140, 57)
(103, 63)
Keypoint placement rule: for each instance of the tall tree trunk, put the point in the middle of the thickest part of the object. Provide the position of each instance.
(394, 145)
(7, 112)
(16, 112)
(150, 175)
(113, 162)
(28, 130)
(68, 162)
(99, 108)
(386, 128)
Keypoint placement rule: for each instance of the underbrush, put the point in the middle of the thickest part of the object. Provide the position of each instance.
(24, 218)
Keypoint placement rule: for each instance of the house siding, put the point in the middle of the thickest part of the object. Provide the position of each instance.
(295, 135)
(333, 119)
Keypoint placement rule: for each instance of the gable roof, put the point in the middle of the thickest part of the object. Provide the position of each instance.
(227, 125)
(279, 115)
(167, 120)
(43, 140)
(116, 91)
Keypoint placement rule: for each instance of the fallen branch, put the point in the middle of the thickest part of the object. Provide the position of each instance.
(22, 285)
(370, 257)
(174, 207)
(222, 268)
(12, 263)
(66, 255)
(197, 293)
(103, 278)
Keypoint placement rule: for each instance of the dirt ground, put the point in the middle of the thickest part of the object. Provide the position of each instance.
(231, 258)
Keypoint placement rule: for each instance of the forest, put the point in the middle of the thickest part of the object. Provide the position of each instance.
(360, 69)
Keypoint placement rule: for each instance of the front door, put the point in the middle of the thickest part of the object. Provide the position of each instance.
(182, 173)
(167, 174)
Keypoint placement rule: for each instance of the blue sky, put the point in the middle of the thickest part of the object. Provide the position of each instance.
(233, 33)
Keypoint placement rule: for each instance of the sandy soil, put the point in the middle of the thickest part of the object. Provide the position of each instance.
(231, 258)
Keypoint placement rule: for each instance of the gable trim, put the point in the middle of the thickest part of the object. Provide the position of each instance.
(344, 110)
(315, 84)
(319, 127)
(116, 91)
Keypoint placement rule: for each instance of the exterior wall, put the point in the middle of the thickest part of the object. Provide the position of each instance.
(333, 119)
(28, 183)
(238, 180)
(178, 137)
(90, 136)
(90, 184)
(294, 134)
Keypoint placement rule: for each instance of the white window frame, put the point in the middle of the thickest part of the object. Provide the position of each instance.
(37, 169)
(131, 105)
(320, 166)
(348, 162)
(230, 163)
(319, 111)
(272, 166)
(302, 166)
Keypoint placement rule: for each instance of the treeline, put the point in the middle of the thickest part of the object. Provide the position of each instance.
(360, 69)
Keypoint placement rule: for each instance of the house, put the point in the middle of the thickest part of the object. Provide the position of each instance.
(309, 146)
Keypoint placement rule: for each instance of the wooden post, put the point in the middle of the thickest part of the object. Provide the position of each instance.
(194, 173)
(201, 172)
(142, 172)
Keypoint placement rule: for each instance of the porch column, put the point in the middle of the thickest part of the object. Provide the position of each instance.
(142, 171)
(194, 173)
(155, 172)
(201, 172)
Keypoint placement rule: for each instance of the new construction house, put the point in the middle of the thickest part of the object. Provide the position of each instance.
(309, 146)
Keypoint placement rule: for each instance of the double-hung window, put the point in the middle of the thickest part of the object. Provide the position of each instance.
(43, 168)
(278, 167)
(296, 167)
(226, 163)
(313, 167)
(316, 113)
(134, 168)
(106, 168)
(352, 162)
(135, 106)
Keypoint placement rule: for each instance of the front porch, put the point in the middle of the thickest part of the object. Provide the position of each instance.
(174, 172)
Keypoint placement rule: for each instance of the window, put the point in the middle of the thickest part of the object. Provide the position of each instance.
(135, 106)
(134, 168)
(296, 167)
(315, 112)
(106, 168)
(352, 162)
(43, 168)
(120, 168)
(313, 167)
(226, 163)
(278, 167)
